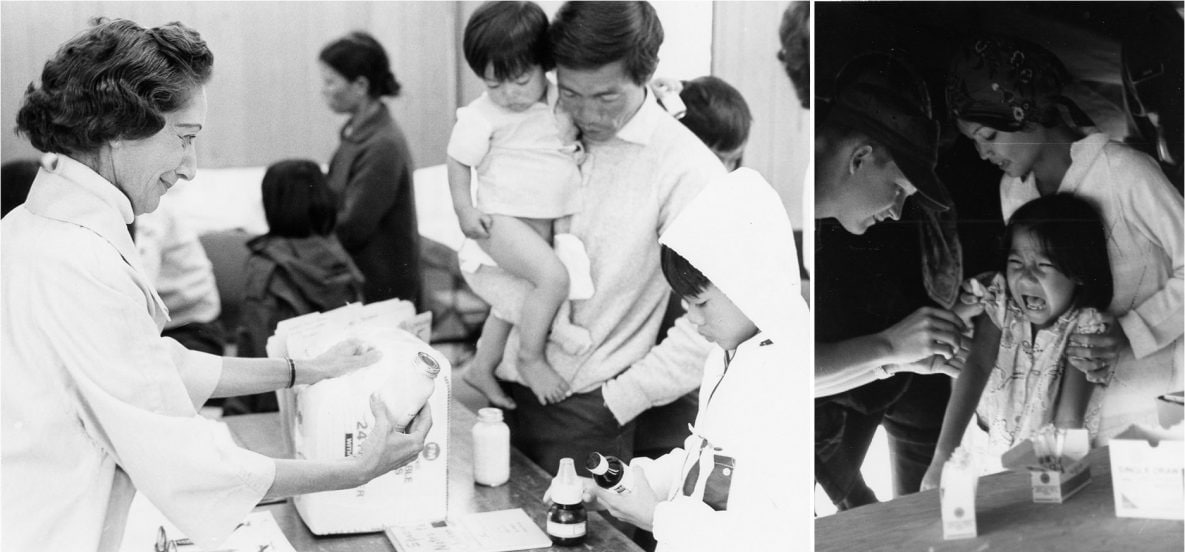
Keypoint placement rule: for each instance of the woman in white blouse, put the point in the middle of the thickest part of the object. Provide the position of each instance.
(96, 405)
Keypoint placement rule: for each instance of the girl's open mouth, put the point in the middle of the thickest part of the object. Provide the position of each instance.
(1033, 303)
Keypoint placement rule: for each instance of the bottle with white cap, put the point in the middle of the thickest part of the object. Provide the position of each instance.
(610, 473)
(407, 390)
(491, 448)
(567, 520)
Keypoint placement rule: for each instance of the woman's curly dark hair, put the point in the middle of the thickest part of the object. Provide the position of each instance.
(113, 81)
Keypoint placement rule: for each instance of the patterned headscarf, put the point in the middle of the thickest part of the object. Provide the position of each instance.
(1006, 84)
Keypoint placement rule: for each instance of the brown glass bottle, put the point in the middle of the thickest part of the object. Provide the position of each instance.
(567, 520)
(567, 523)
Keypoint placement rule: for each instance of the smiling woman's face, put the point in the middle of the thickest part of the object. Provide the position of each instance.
(145, 169)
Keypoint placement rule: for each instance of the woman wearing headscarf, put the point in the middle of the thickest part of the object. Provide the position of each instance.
(1008, 96)
(96, 404)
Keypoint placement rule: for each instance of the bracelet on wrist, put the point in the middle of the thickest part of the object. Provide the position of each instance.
(292, 372)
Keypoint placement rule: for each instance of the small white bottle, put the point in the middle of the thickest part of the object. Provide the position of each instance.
(491, 448)
(408, 389)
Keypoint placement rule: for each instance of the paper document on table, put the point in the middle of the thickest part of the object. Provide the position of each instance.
(499, 531)
(259, 531)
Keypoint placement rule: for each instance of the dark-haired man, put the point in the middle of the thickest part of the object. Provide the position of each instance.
(642, 166)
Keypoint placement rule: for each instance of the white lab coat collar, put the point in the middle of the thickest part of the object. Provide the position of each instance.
(736, 232)
(68, 191)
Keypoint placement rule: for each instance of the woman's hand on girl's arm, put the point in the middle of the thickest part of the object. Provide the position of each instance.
(1096, 354)
(341, 359)
(635, 507)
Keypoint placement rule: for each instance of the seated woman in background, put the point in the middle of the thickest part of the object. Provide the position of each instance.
(296, 268)
(96, 405)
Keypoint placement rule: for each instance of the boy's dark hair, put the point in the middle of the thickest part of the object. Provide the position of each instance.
(1071, 232)
(685, 280)
(359, 55)
(297, 202)
(510, 36)
(589, 35)
(716, 113)
(115, 80)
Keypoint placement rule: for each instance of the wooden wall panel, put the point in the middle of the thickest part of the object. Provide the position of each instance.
(265, 103)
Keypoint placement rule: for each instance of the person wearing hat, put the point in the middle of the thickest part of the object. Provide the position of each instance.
(887, 270)
(876, 147)
(1008, 97)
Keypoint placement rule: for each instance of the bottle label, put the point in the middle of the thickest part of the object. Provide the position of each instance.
(624, 484)
(620, 489)
(566, 530)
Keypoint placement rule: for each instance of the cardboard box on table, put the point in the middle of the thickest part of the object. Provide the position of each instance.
(329, 420)
(1148, 472)
(1054, 485)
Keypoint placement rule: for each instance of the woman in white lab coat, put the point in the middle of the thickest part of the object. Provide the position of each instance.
(96, 405)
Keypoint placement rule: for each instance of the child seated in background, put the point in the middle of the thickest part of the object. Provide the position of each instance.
(298, 267)
(1057, 279)
(524, 153)
(717, 114)
(731, 255)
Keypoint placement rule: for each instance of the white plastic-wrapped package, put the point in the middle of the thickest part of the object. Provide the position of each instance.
(330, 419)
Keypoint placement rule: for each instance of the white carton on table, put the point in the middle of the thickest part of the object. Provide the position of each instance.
(330, 419)
(1063, 476)
(957, 496)
(1147, 466)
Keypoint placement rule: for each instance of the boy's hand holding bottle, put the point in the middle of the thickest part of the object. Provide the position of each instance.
(635, 507)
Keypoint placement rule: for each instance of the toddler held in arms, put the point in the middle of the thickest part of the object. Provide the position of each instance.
(525, 156)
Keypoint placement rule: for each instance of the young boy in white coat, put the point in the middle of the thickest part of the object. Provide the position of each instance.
(737, 480)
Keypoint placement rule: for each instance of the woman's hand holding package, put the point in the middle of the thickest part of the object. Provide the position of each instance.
(386, 449)
(635, 507)
(1094, 347)
(926, 332)
(341, 359)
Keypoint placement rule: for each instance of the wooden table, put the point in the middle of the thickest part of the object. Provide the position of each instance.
(1007, 519)
(261, 433)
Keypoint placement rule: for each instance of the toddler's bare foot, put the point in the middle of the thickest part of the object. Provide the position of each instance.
(547, 385)
(485, 382)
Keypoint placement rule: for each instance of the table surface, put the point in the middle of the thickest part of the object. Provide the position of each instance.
(262, 433)
(1007, 519)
